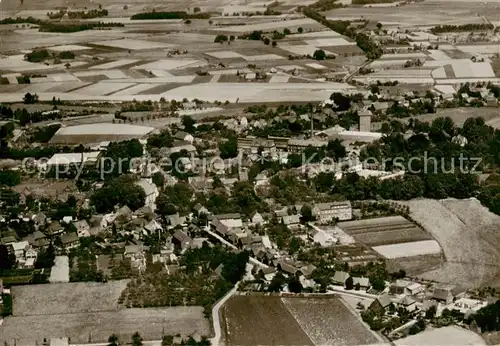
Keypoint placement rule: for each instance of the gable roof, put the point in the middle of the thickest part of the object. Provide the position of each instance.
(340, 277)
(384, 300)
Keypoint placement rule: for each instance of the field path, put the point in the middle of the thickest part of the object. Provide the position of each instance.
(215, 341)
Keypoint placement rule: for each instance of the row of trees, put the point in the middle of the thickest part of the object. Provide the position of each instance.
(170, 15)
(464, 27)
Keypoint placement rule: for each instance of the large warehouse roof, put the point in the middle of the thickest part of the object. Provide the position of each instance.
(95, 133)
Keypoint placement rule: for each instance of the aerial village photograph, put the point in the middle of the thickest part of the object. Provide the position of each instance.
(249, 172)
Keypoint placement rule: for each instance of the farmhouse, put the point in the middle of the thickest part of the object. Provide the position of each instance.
(326, 212)
(447, 293)
(381, 304)
(96, 133)
(340, 278)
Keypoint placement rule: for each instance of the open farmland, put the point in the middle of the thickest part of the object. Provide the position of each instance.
(329, 321)
(266, 320)
(384, 231)
(151, 323)
(468, 234)
(66, 298)
(260, 320)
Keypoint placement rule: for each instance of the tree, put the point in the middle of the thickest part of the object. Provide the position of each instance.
(220, 38)
(118, 191)
(431, 312)
(306, 213)
(300, 30)
(349, 283)
(277, 283)
(188, 123)
(158, 179)
(229, 148)
(267, 41)
(294, 285)
(7, 260)
(336, 149)
(295, 245)
(30, 98)
(377, 282)
(168, 340)
(136, 339)
(379, 25)
(196, 10)
(113, 340)
(275, 43)
(319, 54)
(287, 31)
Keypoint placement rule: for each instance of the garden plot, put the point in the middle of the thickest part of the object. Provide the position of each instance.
(229, 72)
(131, 44)
(225, 54)
(170, 64)
(68, 47)
(60, 270)
(384, 230)
(101, 88)
(468, 234)
(330, 42)
(114, 64)
(304, 49)
(328, 321)
(417, 248)
(263, 57)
